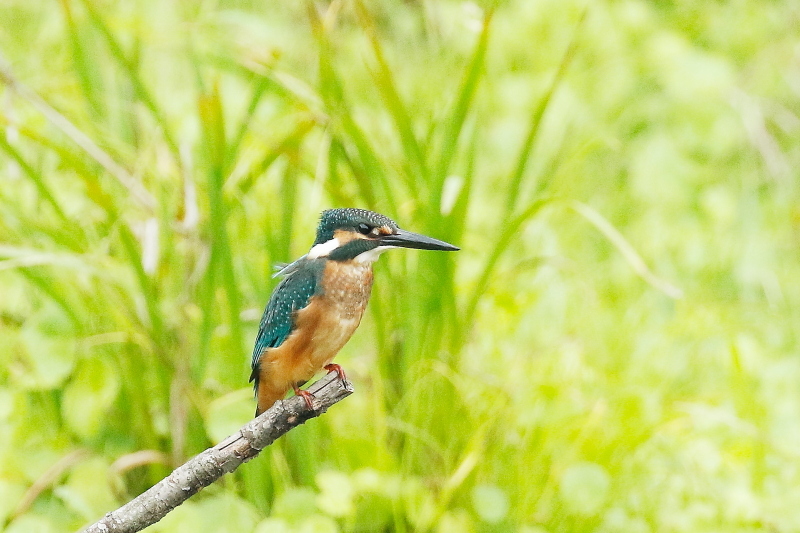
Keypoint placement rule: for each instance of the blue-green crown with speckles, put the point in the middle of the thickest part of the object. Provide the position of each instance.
(349, 218)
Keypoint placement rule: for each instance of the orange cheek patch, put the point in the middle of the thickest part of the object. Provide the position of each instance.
(346, 236)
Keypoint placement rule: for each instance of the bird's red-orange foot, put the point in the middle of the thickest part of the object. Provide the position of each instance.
(333, 367)
(307, 396)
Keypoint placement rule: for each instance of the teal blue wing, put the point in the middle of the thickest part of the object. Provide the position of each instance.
(293, 293)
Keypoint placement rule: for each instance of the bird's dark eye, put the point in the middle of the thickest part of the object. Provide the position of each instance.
(364, 229)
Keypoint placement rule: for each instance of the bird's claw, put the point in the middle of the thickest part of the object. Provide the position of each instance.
(333, 367)
(307, 396)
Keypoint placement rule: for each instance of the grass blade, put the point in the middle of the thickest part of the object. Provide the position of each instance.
(233, 147)
(287, 145)
(136, 189)
(332, 91)
(536, 120)
(212, 119)
(510, 230)
(394, 103)
(626, 249)
(90, 82)
(142, 93)
(35, 177)
(455, 122)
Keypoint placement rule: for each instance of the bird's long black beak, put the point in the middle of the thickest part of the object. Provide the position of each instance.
(408, 239)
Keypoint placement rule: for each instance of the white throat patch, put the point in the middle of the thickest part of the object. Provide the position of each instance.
(370, 256)
(323, 249)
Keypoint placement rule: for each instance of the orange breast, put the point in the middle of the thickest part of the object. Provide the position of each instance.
(322, 328)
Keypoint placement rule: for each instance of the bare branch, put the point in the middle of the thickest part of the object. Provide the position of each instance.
(210, 465)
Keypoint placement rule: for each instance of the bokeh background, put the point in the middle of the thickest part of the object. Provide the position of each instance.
(614, 349)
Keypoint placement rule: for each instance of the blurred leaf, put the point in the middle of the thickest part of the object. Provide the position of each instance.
(420, 503)
(89, 395)
(373, 512)
(274, 525)
(49, 360)
(30, 523)
(221, 513)
(336, 493)
(490, 502)
(295, 504)
(87, 490)
(532, 529)
(228, 413)
(616, 519)
(584, 488)
(186, 518)
(10, 495)
(318, 524)
(457, 521)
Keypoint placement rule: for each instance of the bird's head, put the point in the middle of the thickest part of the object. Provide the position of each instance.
(345, 234)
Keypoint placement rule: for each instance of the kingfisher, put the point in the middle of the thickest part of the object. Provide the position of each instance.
(318, 304)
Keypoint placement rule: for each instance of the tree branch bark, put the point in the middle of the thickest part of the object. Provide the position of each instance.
(210, 465)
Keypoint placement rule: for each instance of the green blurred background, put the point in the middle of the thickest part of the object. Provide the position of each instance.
(615, 348)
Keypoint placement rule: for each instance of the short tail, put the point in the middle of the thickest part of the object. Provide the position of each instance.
(267, 390)
(267, 393)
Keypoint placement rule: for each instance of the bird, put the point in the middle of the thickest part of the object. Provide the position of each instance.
(318, 304)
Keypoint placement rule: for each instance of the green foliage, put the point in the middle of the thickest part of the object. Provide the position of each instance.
(614, 348)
